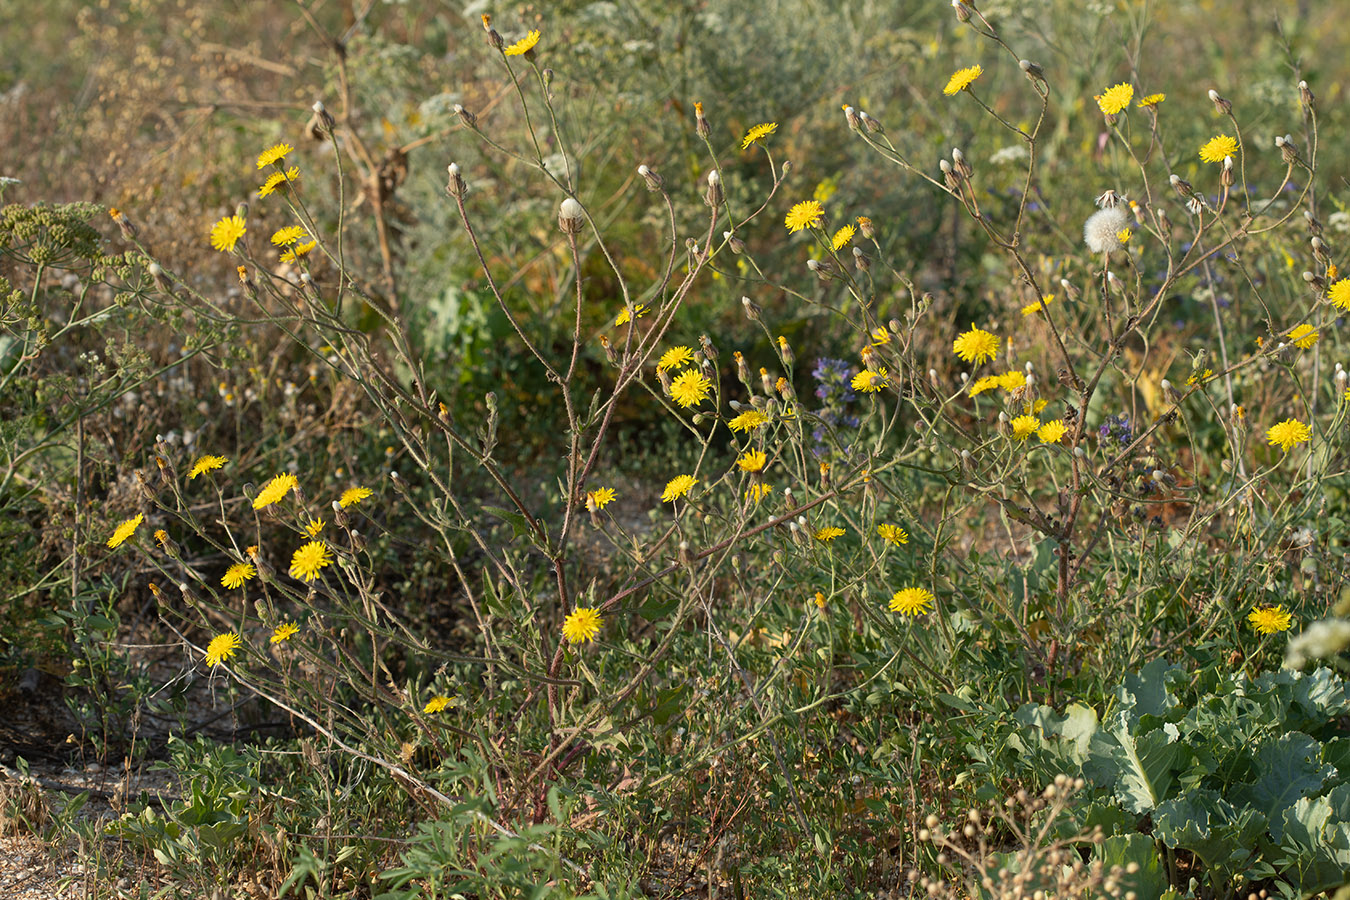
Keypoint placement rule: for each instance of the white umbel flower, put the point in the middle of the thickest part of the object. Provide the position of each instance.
(1102, 230)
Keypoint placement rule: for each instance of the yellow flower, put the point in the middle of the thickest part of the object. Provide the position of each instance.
(748, 420)
(278, 181)
(987, 383)
(314, 527)
(298, 251)
(205, 464)
(1270, 619)
(1011, 381)
(961, 80)
(911, 601)
(1303, 336)
(237, 574)
(623, 316)
(674, 358)
(274, 154)
(524, 45)
(283, 632)
(1151, 100)
(758, 134)
(752, 461)
(227, 232)
(827, 534)
(678, 487)
(1116, 99)
(600, 498)
(1289, 433)
(275, 490)
(353, 496)
(1024, 427)
(819, 599)
(842, 237)
(161, 537)
(582, 625)
(124, 531)
(284, 237)
(880, 336)
(805, 214)
(308, 560)
(1339, 293)
(870, 382)
(1217, 147)
(893, 534)
(690, 388)
(1038, 305)
(975, 345)
(1200, 377)
(757, 492)
(221, 648)
(436, 704)
(1124, 235)
(1052, 432)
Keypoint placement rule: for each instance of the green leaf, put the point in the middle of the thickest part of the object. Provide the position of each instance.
(1287, 769)
(1149, 880)
(520, 526)
(1316, 842)
(1140, 769)
(1224, 836)
(1147, 693)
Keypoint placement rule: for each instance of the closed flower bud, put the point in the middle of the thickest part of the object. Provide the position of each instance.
(785, 351)
(765, 380)
(714, 195)
(962, 165)
(1305, 95)
(1223, 106)
(1033, 72)
(851, 115)
(161, 280)
(1164, 223)
(736, 244)
(570, 216)
(751, 309)
(664, 377)
(701, 127)
(1313, 224)
(1181, 185)
(1288, 152)
(358, 541)
(870, 122)
(1316, 282)
(653, 180)
(468, 118)
(455, 185)
(949, 176)
(708, 347)
(860, 260)
(323, 117)
(823, 268)
(962, 10)
(1226, 177)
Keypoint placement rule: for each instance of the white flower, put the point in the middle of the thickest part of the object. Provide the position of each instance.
(1318, 641)
(1102, 230)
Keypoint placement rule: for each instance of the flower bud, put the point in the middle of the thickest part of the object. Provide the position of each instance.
(701, 127)
(962, 166)
(860, 260)
(1223, 106)
(468, 118)
(751, 308)
(454, 185)
(870, 122)
(653, 180)
(1313, 224)
(785, 351)
(323, 117)
(1288, 152)
(1181, 185)
(570, 216)
(962, 11)
(1305, 95)
(1226, 174)
(1316, 282)
(950, 177)
(714, 196)
(736, 244)
(851, 115)
(1034, 73)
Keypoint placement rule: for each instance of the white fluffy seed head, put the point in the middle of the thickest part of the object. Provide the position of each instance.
(1101, 231)
(714, 177)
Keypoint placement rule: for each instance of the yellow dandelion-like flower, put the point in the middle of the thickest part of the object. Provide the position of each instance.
(842, 237)
(600, 498)
(819, 599)
(298, 251)
(275, 490)
(227, 232)
(828, 533)
(880, 336)
(870, 382)
(690, 388)
(309, 559)
(1303, 336)
(314, 527)
(221, 648)
(1024, 427)
(582, 625)
(1116, 99)
(436, 704)
(892, 534)
(1200, 377)
(987, 383)
(1289, 433)
(161, 537)
(1052, 432)
(124, 531)
(1151, 100)
(1217, 147)
(962, 79)
(524, 45)
(1339, 294)
(278, 181)
(758, 134)
(678, 487)
(748, 420)
(752, 461)
(352, 496)
(757, 492)
(806, 214)
(1124, 235)
(1270, 619)
(1013, 380)
(674, 358)
(237, 574)
(284, 237)
(274, 154)
(1038, 305)
(623, 318)
(912, 601)
(975, 345)
(284, 632)
(206, 464)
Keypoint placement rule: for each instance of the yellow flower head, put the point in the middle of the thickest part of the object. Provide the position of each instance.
(227, 232)
(748, 420)
(1289, 433)
(913, 601)
(353, 496)
(623, 317)
(582, 625)
(1116, 99)
(284, 237)
(314, 527)
(870, 382)
(842, 237)
(436, 704)
(987, 383)
(275, 490)
(757, 492)
(298, 251)
(752, 461)
(309, 560)
(221, 648)
(674, 358)
(206, 464)
(600, 498)
(1217, 147)
(808, 213)
(1038, 305)
(1303, 336)
(524, 45)
(1270, 619)
(1052, 432)
(678, 487)
(278, 181)
(1013, 380)
(819, 599)
(975, 345)
(892, 534)
(758, 134)
(274, 154)
(284, 632)
(1152, 100)
(1339, 293)
(237, 574)
(1024, 427)
(690, 388)
(962, 79)
(124, 531)
(827, 534)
